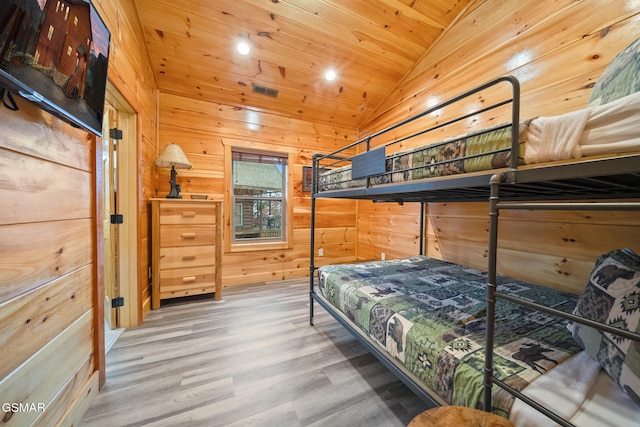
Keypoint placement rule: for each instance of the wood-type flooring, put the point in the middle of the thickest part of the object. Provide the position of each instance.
(252, 360)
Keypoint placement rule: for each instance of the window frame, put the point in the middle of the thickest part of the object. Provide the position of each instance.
(232, 245)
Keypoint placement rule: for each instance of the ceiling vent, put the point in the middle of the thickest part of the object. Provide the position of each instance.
(263, 90)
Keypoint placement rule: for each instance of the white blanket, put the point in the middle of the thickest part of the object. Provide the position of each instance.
(613, 127)
(579, 391)
(605, 129)
(555, 138)
(562, 390)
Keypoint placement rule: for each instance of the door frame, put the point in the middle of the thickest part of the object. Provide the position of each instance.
(109, 230)
(127, 202)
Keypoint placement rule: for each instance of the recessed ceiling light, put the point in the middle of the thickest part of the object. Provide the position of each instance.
(243, 47)
(330, 75)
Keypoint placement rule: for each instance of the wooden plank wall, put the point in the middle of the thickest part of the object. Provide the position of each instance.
(557, 49)
(50, 264)
(203, 129)
(47, 264)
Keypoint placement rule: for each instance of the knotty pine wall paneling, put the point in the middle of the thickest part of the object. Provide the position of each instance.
(203, 130)
(557, 49)
(51, 323)
(388, 228)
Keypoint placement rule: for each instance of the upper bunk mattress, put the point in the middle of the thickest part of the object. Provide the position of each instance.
(430, 316)
(478, 151)
(607, 129)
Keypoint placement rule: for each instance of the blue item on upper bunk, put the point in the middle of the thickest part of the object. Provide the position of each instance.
(430, 316)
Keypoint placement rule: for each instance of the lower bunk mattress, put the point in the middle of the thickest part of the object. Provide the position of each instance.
(429, 315)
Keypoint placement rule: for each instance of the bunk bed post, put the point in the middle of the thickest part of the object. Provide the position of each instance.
(422, 227)
(312, 267)
(515, 123)
(368, 147)
(495, 182)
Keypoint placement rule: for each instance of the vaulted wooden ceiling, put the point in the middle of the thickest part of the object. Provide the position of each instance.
(371, 44)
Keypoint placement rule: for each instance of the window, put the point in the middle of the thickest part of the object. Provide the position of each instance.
(69, 50)
(259, 189)
(50, 34)
(75, 20)
(66, 15)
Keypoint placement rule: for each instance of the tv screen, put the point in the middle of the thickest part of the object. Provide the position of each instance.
(55, 53)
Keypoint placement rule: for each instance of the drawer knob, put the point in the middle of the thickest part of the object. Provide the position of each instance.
(188, 235)
(189, 279)
(188, 257)
(188, 214)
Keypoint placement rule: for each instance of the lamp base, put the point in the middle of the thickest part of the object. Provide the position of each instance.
(175, 188)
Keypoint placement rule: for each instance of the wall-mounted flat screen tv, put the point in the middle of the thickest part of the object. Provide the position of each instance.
(55, 53)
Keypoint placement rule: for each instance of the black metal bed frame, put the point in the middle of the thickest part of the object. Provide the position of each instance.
(516, 187)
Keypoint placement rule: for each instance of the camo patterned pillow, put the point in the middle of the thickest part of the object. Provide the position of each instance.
(612, 296)
(621, 78)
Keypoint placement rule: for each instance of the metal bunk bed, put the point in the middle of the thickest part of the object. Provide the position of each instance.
(515, 187)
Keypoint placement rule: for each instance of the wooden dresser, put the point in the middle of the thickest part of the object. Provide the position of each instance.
(186, 248)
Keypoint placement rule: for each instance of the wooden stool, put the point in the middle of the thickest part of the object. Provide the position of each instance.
(458, 416)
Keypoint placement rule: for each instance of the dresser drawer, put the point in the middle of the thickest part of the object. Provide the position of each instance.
(188, 256)
(182, 235)
(187, 213)
(184, 282)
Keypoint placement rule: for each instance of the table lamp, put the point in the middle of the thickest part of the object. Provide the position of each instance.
(173, 157)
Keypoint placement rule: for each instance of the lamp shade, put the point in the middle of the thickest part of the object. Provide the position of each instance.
(172, 155)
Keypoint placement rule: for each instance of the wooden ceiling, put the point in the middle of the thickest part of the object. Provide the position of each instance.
(371, 44)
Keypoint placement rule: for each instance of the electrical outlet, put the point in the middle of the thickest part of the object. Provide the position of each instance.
(320, 252)
(383, 256)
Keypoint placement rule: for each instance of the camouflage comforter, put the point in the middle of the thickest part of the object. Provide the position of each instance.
(430, 316)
